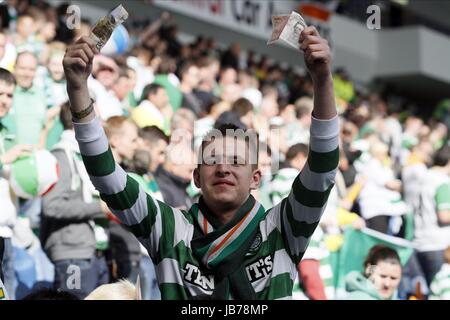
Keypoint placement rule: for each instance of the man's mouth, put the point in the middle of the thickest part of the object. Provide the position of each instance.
(223, 183)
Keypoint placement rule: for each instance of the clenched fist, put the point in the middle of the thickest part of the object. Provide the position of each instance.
(317, 54)
(77, 62)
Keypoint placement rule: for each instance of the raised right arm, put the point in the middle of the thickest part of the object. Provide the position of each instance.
(150, 220)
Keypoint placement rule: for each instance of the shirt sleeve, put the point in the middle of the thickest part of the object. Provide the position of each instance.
(442, 197)
(301, 210)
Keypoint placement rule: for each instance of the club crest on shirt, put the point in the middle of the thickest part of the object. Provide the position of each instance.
(256, 243)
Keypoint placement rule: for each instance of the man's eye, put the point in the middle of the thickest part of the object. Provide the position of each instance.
(211, 161)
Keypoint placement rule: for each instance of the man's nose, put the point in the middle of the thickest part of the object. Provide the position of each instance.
(387, 283)
(222, 169)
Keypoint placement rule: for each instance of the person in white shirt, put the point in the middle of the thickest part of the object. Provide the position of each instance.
(105, 74)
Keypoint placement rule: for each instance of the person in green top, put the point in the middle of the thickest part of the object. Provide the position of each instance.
(380, 279)
(7, 208)
(226, 246)
(27, 117)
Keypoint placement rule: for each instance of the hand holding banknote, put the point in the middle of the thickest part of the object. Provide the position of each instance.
(292, 30)
(77, 62)
(79, 56)
(317, 54)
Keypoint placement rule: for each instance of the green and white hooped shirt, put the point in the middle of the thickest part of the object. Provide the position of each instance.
(284, 231)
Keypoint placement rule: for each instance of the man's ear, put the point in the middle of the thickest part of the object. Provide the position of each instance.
(113, 141)
(256, 179)
(197, 177)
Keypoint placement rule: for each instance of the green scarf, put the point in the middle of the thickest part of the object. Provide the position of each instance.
(221, 249)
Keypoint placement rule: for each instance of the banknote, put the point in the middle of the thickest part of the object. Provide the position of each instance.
(287, 28)
(278, 24)
(104, 27)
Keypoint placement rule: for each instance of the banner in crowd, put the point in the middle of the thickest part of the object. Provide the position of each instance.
(355, 248)
(318, 14)
(251, 17)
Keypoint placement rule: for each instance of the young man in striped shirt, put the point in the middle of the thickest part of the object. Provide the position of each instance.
(227, 246)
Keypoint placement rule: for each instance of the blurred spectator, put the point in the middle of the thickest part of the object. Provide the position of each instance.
(7, 52)
(27, 118)
(175, 175)
(123, 87)
(105, 74)
(380, 279)
(190, 77)
(298, 130)
(69, 210)
(8, 215)
(440, 287)
(123, 138)
(124, 250)
(380, 198)
(231, 57)
(166, 77)
(154, 108)
(432, 215)
(155, 142)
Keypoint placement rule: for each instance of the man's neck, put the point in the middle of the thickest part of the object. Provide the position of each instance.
(224, 214)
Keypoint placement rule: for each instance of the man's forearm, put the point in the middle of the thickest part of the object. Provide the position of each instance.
(79, 100)
(324, 101)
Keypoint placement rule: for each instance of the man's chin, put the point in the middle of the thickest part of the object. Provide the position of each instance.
(386, 295)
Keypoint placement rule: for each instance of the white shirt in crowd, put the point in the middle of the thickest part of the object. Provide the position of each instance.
(108, 105)
(428, 234)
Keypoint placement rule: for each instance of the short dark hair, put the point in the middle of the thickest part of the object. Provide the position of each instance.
(442, 156)
(141, 162)
(149, 89)
(223, 128)
(295, 149)
(380, 253)
(7, 77)
(185, 66)
(242, 106)
(153, 134)
(65, 116)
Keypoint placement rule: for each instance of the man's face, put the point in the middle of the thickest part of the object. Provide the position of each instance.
(26, 27)
(192, 76)
(228, 76)
(122, 88)
(386, 277)
(228, 182)
(160, 99)
(127, 142)
(269, 107)
(107, 75)
(184, 170)
(158, 153)
(6, 97)
(25, 70)
(55, 67)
